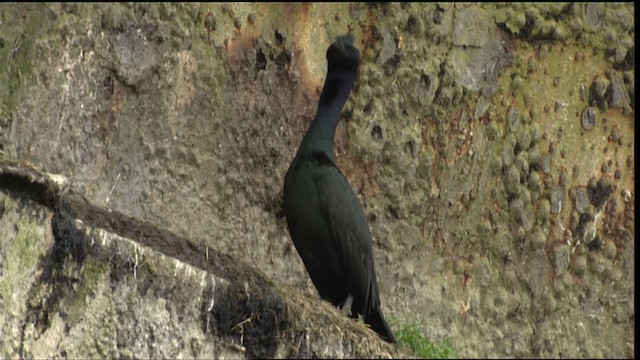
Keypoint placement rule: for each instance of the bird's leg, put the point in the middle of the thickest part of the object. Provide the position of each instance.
(346, 307)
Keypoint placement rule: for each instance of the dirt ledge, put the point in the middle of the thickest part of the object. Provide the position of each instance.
(215, 305)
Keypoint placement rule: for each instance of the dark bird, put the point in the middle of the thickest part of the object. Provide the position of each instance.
(325, 219)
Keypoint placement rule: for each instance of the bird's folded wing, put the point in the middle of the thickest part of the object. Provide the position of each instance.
(351, 236)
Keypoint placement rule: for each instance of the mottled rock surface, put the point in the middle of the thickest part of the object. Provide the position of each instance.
(186, 116)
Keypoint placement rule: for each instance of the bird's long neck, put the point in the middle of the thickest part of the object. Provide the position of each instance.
(334, 95)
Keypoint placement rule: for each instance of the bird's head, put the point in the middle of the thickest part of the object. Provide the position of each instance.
(342, 56)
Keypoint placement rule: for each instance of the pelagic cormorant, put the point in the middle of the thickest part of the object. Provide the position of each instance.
(325, 219)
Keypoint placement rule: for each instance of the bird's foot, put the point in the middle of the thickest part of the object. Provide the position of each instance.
(346, 307)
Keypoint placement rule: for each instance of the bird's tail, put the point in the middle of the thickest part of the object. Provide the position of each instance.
(379, 325)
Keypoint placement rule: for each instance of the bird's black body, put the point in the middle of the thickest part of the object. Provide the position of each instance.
(325, 219)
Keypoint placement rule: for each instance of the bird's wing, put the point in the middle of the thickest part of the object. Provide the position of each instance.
(351, 237)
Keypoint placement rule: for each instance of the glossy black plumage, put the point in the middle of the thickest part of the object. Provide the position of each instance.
(325, 219)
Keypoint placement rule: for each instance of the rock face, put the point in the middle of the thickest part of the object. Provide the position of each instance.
(502, 218)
